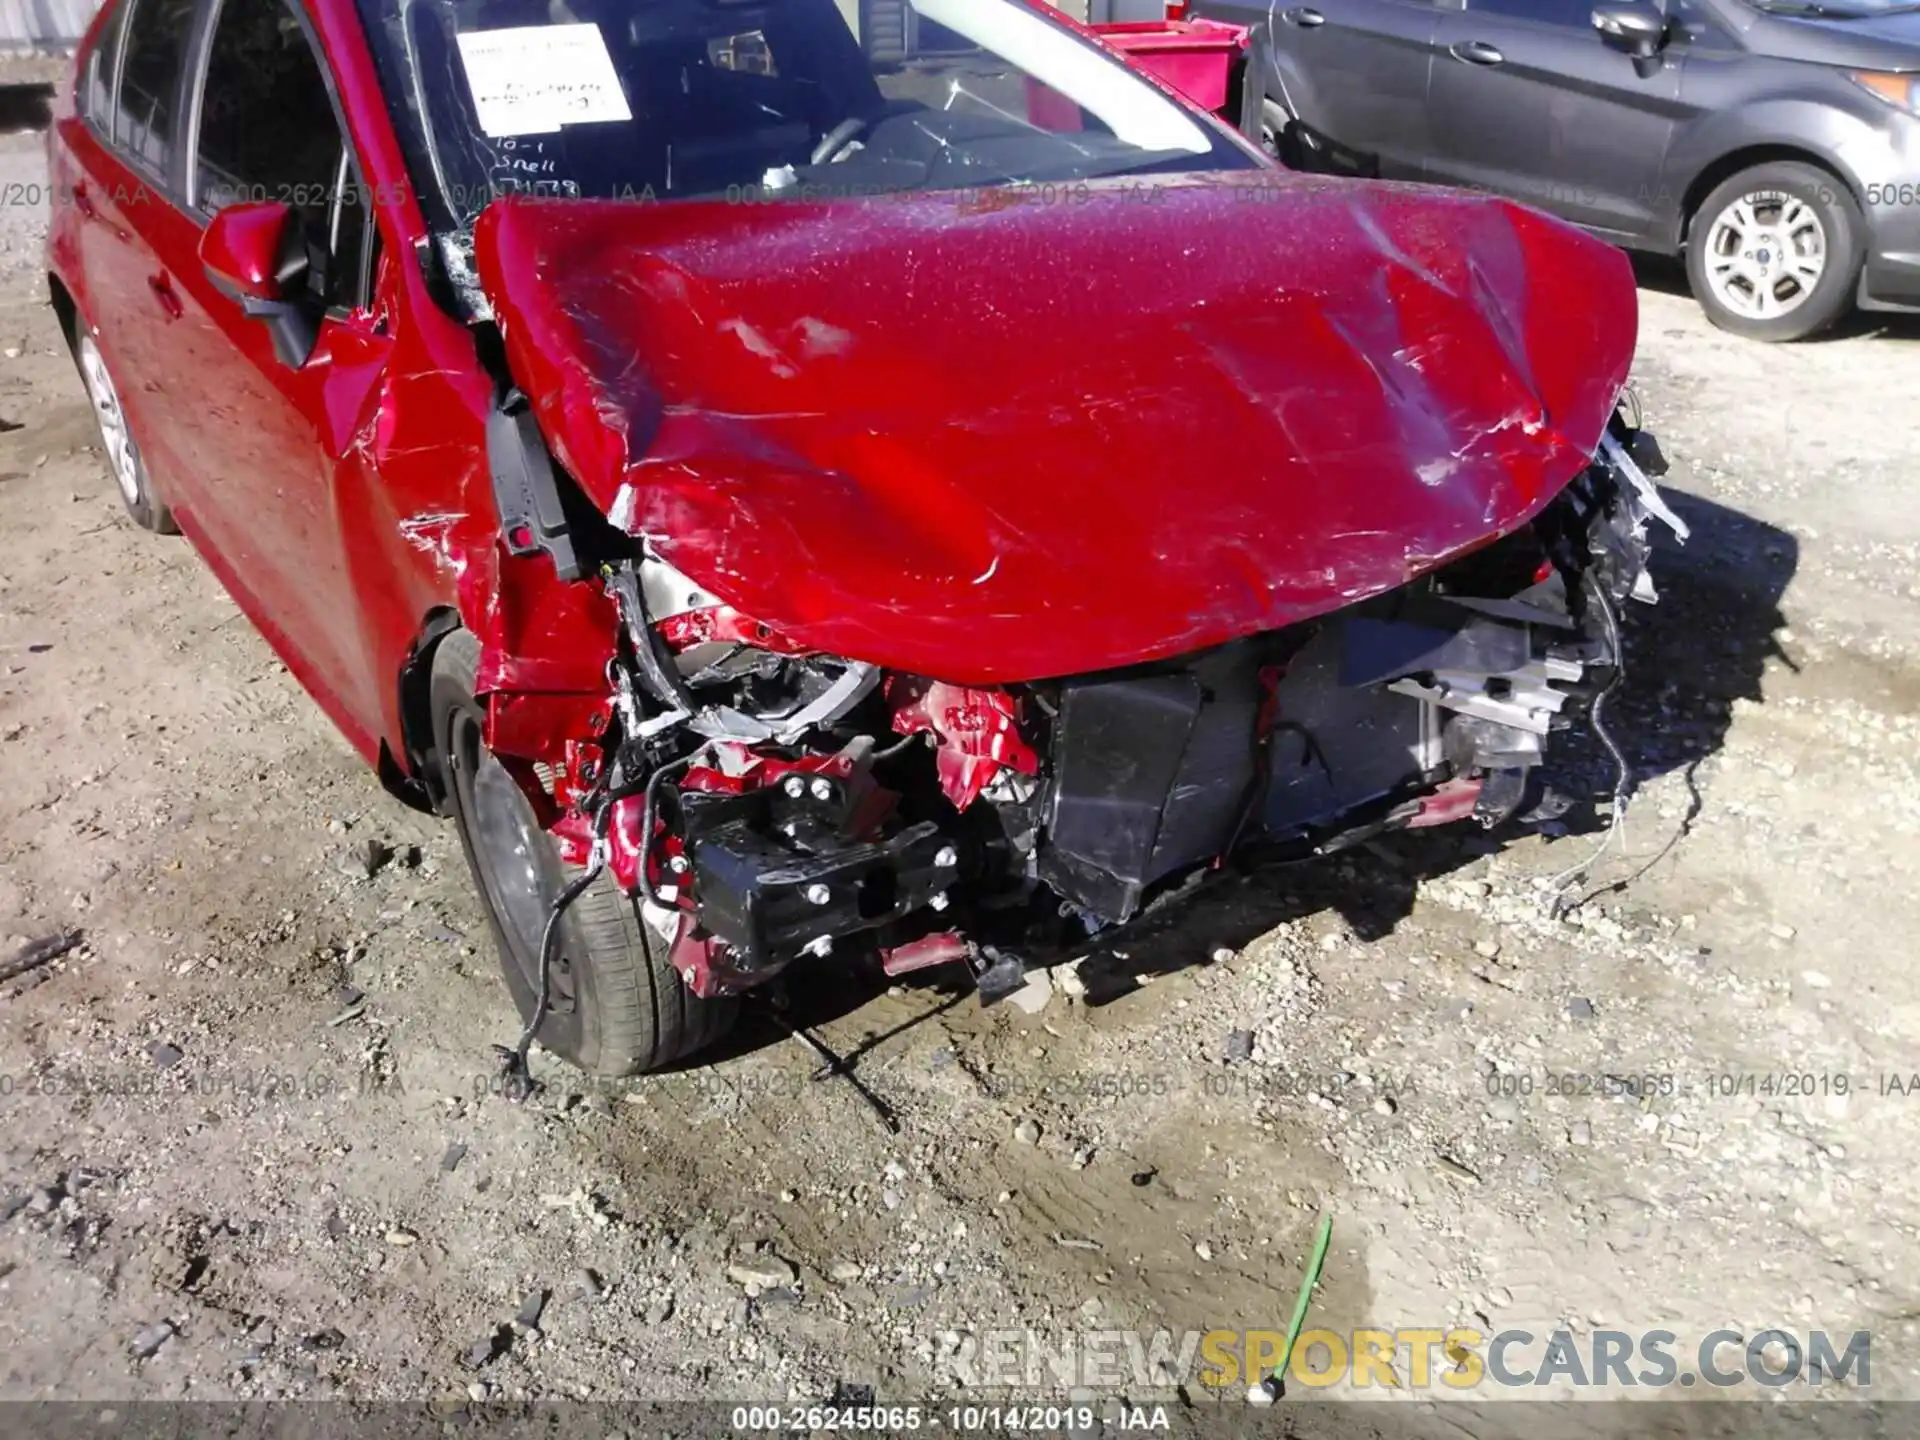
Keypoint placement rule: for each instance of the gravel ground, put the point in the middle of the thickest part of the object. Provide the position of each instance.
(249, 1149)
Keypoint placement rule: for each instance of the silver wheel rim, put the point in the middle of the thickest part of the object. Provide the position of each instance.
(1765, 254)
(122, 458)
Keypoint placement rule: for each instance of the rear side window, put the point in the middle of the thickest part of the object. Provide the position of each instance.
(96, 91)
(268, 132)
(146, 113)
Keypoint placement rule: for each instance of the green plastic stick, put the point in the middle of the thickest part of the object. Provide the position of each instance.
(1314, 1262)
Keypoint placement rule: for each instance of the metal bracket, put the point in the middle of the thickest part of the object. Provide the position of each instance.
(524, 489)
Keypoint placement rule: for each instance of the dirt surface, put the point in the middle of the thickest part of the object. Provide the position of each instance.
(249, 1148)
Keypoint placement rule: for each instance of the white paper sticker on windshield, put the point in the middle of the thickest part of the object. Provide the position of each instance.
(532, 79)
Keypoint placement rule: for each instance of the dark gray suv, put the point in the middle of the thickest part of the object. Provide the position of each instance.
(1776, 143)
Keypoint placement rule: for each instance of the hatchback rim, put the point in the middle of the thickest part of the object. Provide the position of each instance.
(518, 867)
(122, 458)
(1765, 254)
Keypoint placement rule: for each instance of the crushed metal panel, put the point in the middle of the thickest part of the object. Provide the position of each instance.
(823, 413)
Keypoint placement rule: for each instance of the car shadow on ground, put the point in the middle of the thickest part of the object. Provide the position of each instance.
(1702, 647)
(1667, 275)
(25, 107)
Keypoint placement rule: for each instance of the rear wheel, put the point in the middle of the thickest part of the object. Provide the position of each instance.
(615, 1006)
(129, 471)
(1775, 252)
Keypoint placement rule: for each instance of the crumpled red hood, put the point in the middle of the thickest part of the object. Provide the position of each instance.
(990, 441)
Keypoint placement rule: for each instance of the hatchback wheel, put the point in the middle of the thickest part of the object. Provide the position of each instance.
(615, 1004)
(1775, 252)
(116, 438)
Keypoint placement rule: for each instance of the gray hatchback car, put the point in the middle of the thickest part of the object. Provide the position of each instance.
(1774, 143)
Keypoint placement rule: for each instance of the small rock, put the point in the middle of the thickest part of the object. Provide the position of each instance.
(1499, 1296)
(757, 1274)
(1027, 1132)
(1486, 949)
(366, 858)
(1223, 955)
(402, 1236)
(659, 1310)
(164, 1055)
(1203, 1250)
(845, 1272)
(148, 1342)
(1032, 997)
(477, 1391)
(1505, 1110)
(44, 1200)
(487, 1349)
(1580, 1133)
(1814, 979)
(1083, 1157)
(531, 1309)
(1384, 1105)
(450, 1161)
(1143, 1178)
(327, 1339)
(1781, 932)
(1239, 1048)
(1579, 1008)
(588, 1285)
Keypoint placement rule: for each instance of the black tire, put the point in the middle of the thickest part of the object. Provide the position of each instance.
(1766, 269)
(124, 462)
(616, 1007)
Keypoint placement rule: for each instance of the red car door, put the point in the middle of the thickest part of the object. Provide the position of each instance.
(118, 155)
(274, 446)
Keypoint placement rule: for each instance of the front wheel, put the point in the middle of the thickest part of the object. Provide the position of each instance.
(1775, 252)
(616, 1005)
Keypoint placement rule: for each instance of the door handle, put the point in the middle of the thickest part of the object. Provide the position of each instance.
(1476, 52)
(1304, 17)
(83, 202)
(162, 288)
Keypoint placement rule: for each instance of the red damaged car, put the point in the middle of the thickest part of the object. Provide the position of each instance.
(788, 504)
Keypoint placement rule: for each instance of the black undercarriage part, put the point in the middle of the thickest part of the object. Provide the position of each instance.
(776, 879)
(1462, 675)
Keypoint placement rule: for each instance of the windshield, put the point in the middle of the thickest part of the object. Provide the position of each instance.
(673, 99)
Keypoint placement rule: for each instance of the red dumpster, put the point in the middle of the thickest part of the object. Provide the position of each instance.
(1195, 57)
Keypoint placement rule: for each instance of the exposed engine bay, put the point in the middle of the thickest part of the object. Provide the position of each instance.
(768, 805)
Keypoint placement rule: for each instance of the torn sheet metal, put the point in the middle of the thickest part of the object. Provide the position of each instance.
(979, 443)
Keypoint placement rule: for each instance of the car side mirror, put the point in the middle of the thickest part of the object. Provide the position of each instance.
(253, 253)
(1632, 26)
